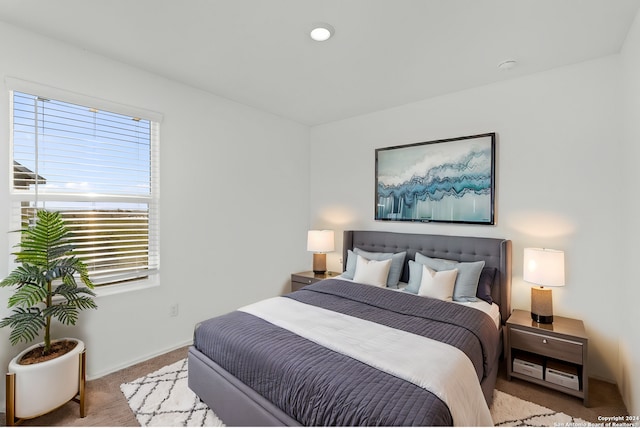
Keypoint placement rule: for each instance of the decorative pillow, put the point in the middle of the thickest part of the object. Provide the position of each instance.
(467, 279)
(372, 272)
(484, 284)
(350, 268)
(415, 277)
(397, 262)
(438, 285)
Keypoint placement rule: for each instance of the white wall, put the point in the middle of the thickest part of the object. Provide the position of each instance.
(558, 169)
(234, 202)
(629, 374)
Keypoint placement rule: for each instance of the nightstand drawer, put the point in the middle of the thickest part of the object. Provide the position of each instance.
(553, 347)
(302, 279)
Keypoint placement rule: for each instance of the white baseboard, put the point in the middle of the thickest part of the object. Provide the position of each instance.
(97, 375)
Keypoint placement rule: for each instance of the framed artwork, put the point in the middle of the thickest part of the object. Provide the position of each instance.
(450, 181)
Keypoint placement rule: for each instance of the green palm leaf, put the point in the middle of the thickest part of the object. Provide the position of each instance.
(67, 268)
(25, 274)
(73, 294)
(46, 241)
(28, 295)
(26, 324)
(64, 312)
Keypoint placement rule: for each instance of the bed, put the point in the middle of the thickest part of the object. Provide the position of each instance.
(280, 363)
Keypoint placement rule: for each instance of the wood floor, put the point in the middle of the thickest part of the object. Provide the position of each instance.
(106, 406)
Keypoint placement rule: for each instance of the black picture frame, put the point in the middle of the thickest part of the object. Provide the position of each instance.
(442, 181)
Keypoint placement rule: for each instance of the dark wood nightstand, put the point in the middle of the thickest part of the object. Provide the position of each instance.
(300, 279)
(559, 348)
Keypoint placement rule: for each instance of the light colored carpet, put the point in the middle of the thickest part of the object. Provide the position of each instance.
(163, 398)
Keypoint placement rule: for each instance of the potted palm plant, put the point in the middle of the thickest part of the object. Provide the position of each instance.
(44, 376)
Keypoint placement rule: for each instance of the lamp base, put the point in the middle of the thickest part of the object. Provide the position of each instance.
(319, 263)
(542, 319)
(541, 305)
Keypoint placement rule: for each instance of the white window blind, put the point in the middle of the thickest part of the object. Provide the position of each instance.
(99, 170)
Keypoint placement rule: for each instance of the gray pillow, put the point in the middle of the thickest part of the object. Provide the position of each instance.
(395, 272)
(484, 284)
(467, 280)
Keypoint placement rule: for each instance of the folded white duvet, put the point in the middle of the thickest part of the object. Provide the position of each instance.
(437, 367)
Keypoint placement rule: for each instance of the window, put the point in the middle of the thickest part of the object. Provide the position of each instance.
(99, 169)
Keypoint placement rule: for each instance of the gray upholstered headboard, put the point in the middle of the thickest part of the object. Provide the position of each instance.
(495, 252)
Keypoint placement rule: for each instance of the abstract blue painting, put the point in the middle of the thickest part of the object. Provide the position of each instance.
(450, 181)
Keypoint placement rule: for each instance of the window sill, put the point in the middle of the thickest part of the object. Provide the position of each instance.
(143, 284)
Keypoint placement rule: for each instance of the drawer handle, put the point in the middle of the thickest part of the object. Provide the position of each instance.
(544, 341)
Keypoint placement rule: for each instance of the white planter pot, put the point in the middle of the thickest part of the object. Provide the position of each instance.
(42, 387)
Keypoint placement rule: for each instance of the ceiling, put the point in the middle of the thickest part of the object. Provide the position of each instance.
(384, 53)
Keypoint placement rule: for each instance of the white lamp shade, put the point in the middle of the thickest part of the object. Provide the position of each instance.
(543, 266)
(320, 241)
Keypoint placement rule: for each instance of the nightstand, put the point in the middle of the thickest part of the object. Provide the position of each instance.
(552, 355)
(301, 279)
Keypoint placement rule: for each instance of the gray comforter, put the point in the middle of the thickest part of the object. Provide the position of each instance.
(320, 387)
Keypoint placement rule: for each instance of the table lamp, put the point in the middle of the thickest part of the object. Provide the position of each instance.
(320, 242)
(545, 268)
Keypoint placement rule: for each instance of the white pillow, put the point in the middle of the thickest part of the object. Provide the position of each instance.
(438, 285)
(372, 272)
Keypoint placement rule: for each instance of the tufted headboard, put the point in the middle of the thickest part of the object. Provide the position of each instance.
(495, 252)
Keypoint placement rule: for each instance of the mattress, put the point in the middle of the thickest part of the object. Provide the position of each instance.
(317, 386)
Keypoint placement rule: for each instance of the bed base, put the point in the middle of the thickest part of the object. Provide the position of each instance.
(238, 405)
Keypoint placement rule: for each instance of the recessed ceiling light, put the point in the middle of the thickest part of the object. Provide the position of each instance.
(321, 32)
(507, 65)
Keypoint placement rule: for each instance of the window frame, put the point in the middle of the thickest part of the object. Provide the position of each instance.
(16, 195)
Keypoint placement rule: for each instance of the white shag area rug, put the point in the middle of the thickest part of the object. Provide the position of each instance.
(510, 411)
(163, 398)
